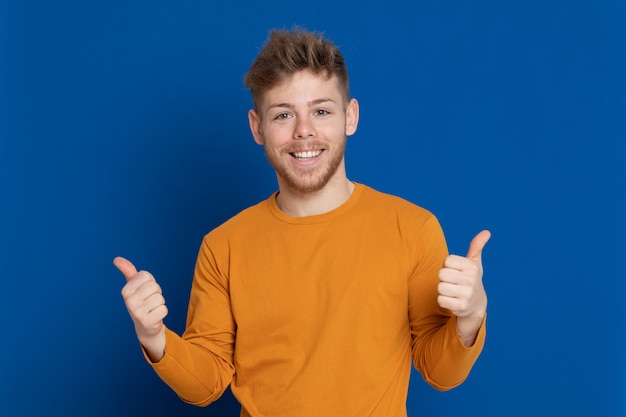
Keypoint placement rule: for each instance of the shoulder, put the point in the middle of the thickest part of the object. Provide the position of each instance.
(248, 219)
(394, 205)
(414, 225)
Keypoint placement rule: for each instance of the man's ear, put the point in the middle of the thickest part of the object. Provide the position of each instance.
(352, 117)
(255, 127)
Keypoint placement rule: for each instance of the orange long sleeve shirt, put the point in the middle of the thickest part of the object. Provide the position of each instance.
(320, 315)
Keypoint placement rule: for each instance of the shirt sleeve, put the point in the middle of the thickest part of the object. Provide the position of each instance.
(199, 365)
(438, 352)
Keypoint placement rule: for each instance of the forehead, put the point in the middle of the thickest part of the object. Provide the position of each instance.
(302, 87)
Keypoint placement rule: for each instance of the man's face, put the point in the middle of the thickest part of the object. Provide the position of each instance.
(302, 124)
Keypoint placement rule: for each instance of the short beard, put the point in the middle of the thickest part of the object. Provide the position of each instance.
(310, 181)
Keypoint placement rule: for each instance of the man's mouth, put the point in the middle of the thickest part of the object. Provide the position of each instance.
(303, 156)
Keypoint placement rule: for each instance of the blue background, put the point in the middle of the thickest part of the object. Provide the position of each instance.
(123, 131)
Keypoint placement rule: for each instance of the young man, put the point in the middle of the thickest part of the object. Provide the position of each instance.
(316, 301)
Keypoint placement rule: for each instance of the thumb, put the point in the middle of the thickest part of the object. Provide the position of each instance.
(126, 267)
(478, 243)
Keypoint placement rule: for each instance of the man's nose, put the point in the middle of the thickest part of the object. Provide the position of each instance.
(304, 128)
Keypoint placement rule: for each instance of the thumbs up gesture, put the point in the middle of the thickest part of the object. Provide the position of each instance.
(461, 288)
(146, 306)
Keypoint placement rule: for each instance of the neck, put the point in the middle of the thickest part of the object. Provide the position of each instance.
(299, 204)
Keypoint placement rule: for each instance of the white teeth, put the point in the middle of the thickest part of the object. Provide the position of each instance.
(307, 154)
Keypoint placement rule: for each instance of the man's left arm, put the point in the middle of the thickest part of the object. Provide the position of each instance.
(447, 308)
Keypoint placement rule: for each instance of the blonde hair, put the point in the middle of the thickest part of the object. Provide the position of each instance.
(287, 52)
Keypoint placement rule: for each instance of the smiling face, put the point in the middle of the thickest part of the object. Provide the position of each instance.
(302, 124)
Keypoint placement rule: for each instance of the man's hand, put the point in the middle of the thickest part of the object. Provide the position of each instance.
(461, 288)
(146, 306)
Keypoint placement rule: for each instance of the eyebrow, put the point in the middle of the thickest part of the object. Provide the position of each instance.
(310, 103)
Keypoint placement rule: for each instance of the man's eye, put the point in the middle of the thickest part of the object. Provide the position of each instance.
(282, 116)
(321, 112)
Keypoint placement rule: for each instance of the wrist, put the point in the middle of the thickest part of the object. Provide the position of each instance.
(468, 328)
(154, 345)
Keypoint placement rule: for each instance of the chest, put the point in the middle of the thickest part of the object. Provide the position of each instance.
(319, 279)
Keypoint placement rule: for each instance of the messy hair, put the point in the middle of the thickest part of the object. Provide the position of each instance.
(287, 52)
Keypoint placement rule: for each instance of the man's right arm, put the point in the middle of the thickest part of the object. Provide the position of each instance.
(199, 365)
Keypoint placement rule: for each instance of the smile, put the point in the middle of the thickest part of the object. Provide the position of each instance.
(303, 156)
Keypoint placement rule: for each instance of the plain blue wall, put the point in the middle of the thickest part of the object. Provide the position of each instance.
(124, 132)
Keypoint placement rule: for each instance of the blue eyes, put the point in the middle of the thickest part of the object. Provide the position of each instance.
(285, 116)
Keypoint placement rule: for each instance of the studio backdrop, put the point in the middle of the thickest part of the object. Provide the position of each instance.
(123, 131)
